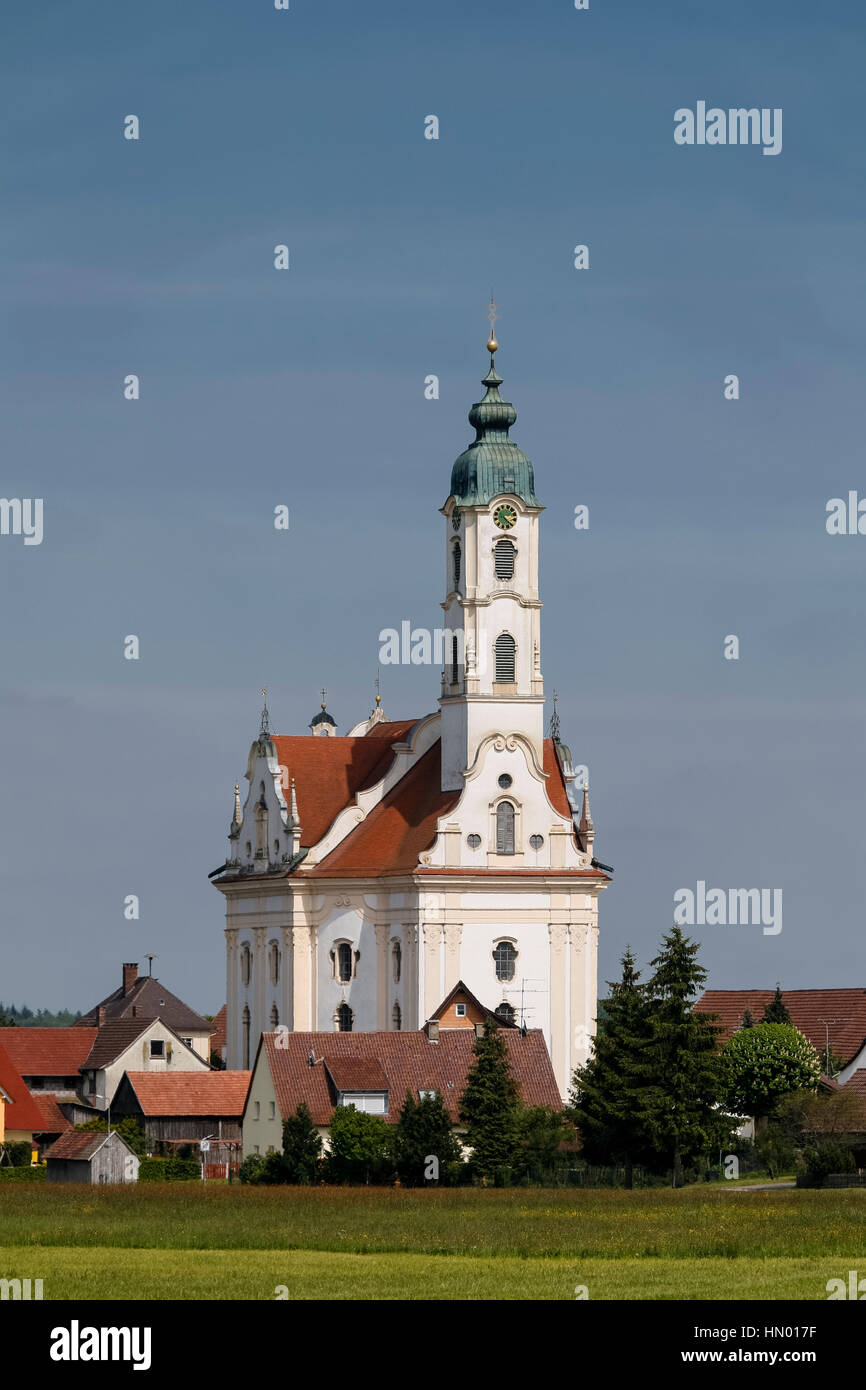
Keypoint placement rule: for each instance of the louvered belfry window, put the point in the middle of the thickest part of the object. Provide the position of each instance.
(503, 559)
(505, 651)
(456, 554)
(345, 1019)
(505, 828)
(454, 660)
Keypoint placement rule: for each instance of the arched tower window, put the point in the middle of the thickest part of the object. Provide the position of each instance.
(503, 559)
(456, 556)
(344, 964)
(505, 828)
(397, 1018)
(245, 1017)
(397, 957)
(275, 1018)
(505, 649)
(505, 1012)
(505, 959)
(344, 1019)
(274, 962)
(455, 671)
(246, 964)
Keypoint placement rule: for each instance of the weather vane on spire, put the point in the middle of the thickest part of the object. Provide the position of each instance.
(492, 315)
(265, 726)
(323, 692)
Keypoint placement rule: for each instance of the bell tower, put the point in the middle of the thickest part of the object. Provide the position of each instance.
(491, 682)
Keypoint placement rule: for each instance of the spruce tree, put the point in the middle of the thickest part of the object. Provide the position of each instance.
(489, 1106)
(302, 1147)
(424, 1132)
(776, 1011)
(606, 1095)
(680, 1103)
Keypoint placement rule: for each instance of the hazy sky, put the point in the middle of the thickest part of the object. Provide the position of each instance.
(306, 387)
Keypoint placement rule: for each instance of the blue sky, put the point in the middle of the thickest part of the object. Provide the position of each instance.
(306, 388)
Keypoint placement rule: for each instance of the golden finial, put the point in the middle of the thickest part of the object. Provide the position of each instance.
(492, 315)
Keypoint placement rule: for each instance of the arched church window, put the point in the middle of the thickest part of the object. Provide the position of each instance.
(503, 559)
(505, 959)
(505, 649)
(397, 958)
(505, 828)
(246, 964)
(397, 1018)
(245, 1018)
(505, 1012)
(344, 1019)
(454, 660)
(274, 962)
(456, 555)
(344, 964)
(275, 1018)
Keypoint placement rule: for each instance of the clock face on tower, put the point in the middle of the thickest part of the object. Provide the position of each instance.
(505, 518)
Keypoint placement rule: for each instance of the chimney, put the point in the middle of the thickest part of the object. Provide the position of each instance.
(432, 1029)
(100, 1016)
(130, 975)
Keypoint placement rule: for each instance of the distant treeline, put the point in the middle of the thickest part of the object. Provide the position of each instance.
(10, 1016)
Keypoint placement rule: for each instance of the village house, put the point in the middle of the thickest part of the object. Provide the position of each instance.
(834, 1021)
(374, 1071)
(133, 1045)
(144, 997)
(185, 1107)
(20, 1117)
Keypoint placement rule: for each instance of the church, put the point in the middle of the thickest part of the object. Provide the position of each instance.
(368, 874)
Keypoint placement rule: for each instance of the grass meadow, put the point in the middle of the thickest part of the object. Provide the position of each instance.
(185, 1241)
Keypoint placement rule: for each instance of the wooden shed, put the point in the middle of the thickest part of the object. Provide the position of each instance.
(91, 1158)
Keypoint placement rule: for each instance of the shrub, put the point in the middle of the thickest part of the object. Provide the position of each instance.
(250, 1170)
(22, 1174)
(19, 1153)
(827, 1156)
(168, 1170)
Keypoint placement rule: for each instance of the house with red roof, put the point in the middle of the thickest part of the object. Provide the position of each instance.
(184, 1107)
(367, 873)
(374, 1072)
(49, 1059)
(834, 1020)
(20, 1116)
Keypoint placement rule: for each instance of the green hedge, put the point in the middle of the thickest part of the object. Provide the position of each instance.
(22, 1174)
(169, 1170)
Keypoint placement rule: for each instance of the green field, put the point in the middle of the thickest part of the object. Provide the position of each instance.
(185, 1241)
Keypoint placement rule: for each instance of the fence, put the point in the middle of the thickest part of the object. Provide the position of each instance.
(221, 1170)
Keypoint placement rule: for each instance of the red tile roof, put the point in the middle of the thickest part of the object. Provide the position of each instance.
(47, 1051)
(191, 1093)
(809, 1008)
(356, 1073)
(218, 1036)
(409, 1061)
(857, 1082)
(53, 1119)
(22, 1112)
(403, 825)
(329, 772)
(396, 831)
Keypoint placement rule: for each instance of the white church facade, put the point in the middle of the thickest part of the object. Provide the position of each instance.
(367, 874)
